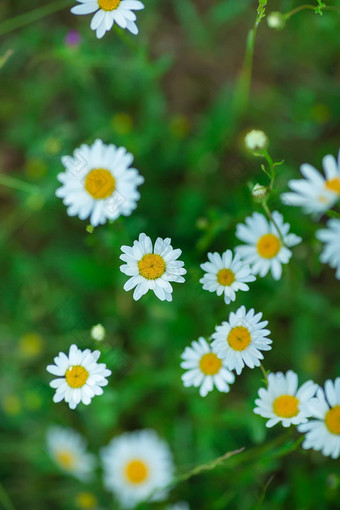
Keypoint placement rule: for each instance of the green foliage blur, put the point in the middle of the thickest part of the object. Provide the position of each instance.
(168, 96)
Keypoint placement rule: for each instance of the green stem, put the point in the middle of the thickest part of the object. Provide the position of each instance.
(310, 7)
(33, 15)
(15, 183)
(264, 373)
(270, 216)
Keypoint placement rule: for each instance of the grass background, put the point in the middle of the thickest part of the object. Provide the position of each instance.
(167, 95)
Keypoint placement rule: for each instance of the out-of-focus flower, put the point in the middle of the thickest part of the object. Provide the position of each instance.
(11, 404)
(109, 12)
(331, 237)
(256, 140)
(226, 274)
(239, 341)
(264, 250)
(136, 464)
(98, 183)
(98, 332)
(31, 345)
(205, 369)
(282, 401)
(315, 193)
(152, 268)
(323, 431)
(80, 377)
(86, 500)
(68, 450)
(72, 38)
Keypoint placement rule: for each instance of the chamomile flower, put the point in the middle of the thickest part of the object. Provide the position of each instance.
(282, 401)
(205, 369)
(152, 268)
(323, 431)
(331, 237)
(315, 193)
(226, 275)
(80, 377)
(264, 249)
(109, 12)
(98, 183)
(239, 341)
(137, 465)
(68, 450)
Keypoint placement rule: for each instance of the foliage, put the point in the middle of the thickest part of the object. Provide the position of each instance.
(169, 96)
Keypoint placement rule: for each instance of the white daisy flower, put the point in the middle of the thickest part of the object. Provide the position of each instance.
(323, 432)
(315, 193)
(80, 377)
(282, 401)
(205, 369)
(109, 12)
(137, 466)
(226, 275)
(152, 268)
(239, 341)
(98, 183)
(256, 140)
(331, 237)
(264, 250)
(68, 450)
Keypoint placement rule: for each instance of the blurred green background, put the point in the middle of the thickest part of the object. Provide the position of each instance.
(167, 95)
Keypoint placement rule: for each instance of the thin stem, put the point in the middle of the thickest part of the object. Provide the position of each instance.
(207, 467)
(264, 373)
(13, 182)
(310, 7)
(270, 216)
(31, 16)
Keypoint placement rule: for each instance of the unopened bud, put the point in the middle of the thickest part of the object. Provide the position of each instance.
(98, 332)
(276, 20)
(259, 192)
(256, 140)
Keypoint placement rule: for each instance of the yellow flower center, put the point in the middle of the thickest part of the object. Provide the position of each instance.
(76, 376)
(210, 364)
(286, 406)
(100, 183)
(136, 471)
(268, 246)
(108, 5)
(333, 185)
(332, 420)
(65, 459)
(239, 338)
(225, 277)
(151, 266)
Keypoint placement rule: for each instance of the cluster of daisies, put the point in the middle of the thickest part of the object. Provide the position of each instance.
(317, 194)
(137, 466)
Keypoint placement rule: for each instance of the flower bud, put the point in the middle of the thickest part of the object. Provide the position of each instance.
(259, 192)
(276, 20)
(256, 140)
(98, 332)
